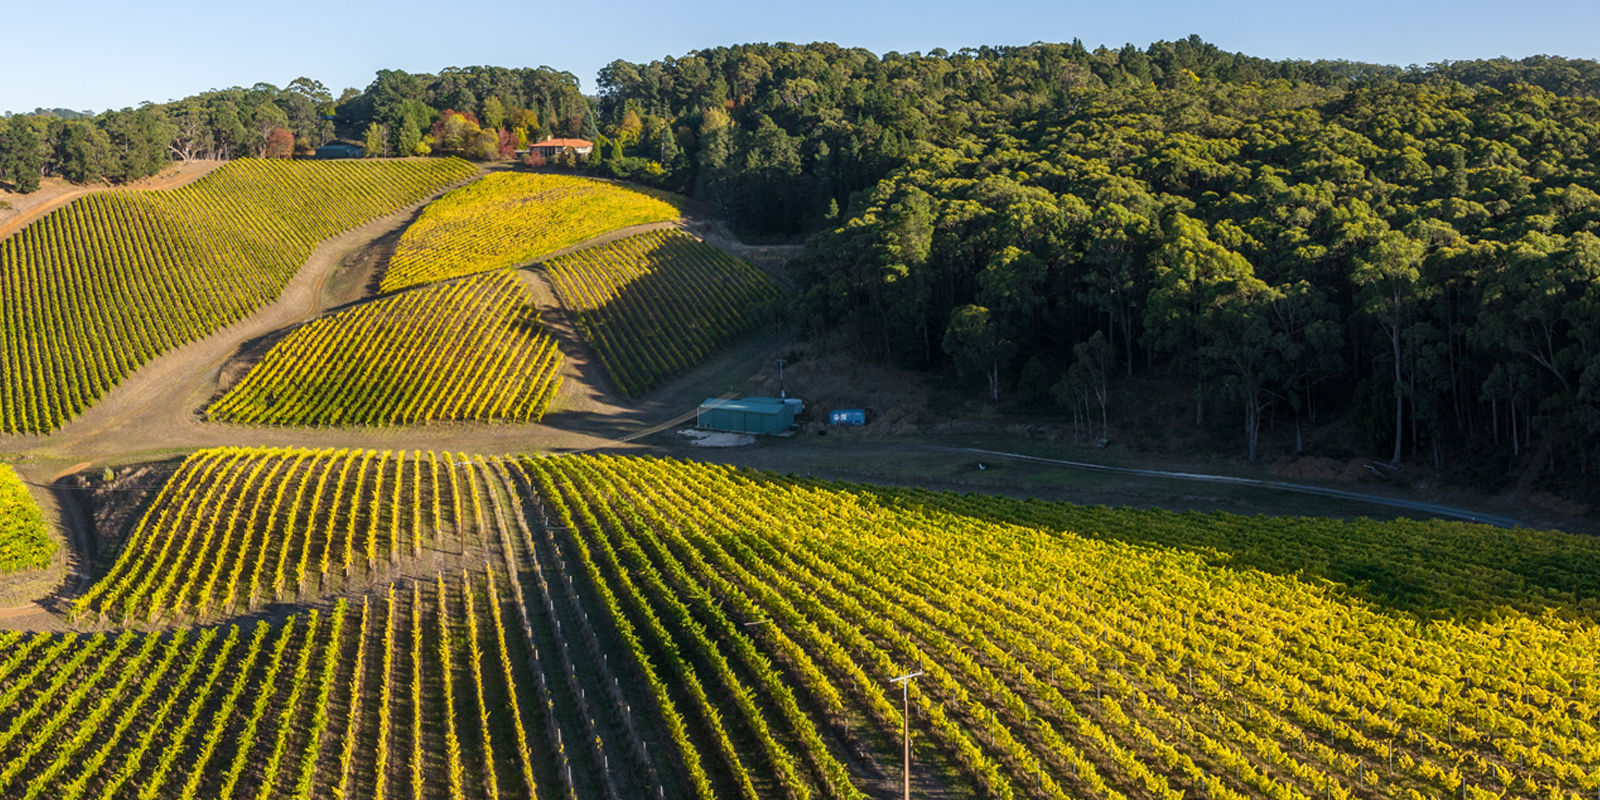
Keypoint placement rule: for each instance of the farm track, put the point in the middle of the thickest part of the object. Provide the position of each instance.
(1432, 509)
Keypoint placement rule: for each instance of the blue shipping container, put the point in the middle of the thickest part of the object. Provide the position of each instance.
(847, 416)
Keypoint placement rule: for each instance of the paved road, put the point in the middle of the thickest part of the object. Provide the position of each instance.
(1430, 509)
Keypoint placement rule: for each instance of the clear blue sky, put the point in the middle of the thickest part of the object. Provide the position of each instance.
(97, 54)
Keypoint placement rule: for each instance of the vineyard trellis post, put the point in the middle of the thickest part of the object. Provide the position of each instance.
(905, 698)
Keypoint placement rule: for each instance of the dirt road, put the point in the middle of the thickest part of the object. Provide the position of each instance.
(1427, 509)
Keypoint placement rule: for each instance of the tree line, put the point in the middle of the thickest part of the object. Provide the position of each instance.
(479, 111)
(473, 111)
(134, 143)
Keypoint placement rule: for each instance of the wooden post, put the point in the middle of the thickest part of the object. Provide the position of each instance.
(905, 698)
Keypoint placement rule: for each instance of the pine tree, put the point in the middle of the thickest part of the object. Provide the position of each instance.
(548, 121)
(668, 146)
(591, 131)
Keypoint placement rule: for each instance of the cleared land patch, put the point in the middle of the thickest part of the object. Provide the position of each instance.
(468, 350)
(506, 219)
(96, 289)
(654, 304)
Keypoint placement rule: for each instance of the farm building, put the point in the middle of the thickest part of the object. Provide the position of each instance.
(550, 148)
(770, 415)
(339, 150)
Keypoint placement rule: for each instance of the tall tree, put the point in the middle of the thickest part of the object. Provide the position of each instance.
(494, 113)
(1389, 275)
(1192, 275)
(1090, 377)
(83, 153)
(191, 132)
(591, 130)
(975, 342)
(1114, 252)
(1307, 336)
(1237, 321)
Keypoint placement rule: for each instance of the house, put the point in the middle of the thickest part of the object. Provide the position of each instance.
(769, 415)
(339, 150)
(550, 148)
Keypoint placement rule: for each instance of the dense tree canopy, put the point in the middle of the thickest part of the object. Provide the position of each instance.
(777, 135)
(1436, 242)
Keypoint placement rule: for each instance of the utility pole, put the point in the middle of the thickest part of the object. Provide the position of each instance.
(905, 698)
(781, 390)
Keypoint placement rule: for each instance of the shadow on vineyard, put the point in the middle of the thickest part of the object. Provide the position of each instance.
(1434, 569)
(653, 305)
(1379, 582)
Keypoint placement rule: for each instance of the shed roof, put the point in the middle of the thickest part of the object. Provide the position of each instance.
(749, 405)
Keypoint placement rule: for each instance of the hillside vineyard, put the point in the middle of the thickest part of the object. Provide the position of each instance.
(623, 627)
(25, 541)
(468, 350)
(508, 219)
(94, 290)
(654, 304)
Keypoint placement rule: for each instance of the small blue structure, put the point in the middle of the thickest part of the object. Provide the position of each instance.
(847, 416)
(339, 151)
(769, 415)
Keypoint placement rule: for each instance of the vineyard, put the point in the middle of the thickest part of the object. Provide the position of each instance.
(1067, 651)
(98, 288)
(468, 350)
(656, 303)
(236, 529)
(25, 542)
(507, 219)
(416, 691)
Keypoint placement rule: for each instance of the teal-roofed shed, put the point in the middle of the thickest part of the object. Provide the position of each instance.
(770, 415)
(339, 150)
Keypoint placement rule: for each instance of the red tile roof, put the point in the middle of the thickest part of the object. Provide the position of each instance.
(575, 144)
